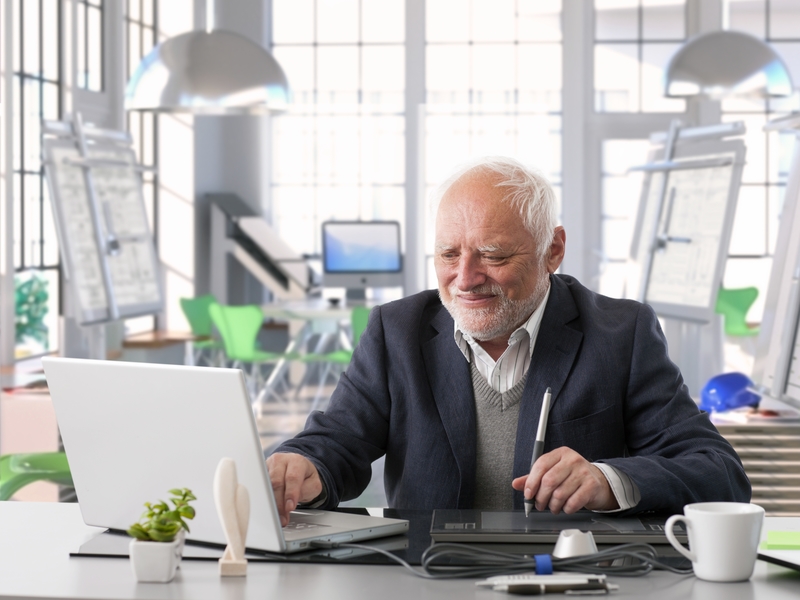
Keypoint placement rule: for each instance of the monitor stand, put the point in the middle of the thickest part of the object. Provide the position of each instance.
(356, 295)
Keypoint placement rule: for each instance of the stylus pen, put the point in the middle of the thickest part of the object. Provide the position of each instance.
(538, 445)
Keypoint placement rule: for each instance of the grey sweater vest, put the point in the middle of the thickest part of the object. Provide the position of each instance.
(496, 416)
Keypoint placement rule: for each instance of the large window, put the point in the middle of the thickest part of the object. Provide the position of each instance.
(90, 38)
(768, 154)
(339, 151)
(141, 29)
(37, 92)
(493, 80)
(634, 40)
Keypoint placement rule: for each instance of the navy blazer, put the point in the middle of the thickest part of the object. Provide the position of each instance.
(616, 398)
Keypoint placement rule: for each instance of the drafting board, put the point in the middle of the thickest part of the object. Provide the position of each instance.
(680, 244)
(104, 236)
(776, 368)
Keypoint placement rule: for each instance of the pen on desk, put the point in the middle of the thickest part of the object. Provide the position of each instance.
(538, 445)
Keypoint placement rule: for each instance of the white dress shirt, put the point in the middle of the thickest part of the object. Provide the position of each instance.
(512, 366)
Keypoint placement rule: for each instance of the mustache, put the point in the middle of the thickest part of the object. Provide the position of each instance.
(492, 288)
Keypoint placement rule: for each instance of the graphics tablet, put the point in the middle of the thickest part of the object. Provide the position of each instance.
(544, 527)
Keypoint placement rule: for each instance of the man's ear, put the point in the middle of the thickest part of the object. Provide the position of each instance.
(556, 251)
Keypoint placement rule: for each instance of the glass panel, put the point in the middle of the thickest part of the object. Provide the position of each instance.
(784, 20)
(616, 19)
(50, 39)
(655, 58)
(755, 168)
(781, 148)
(338, 202)
(50, 255)
(388, 204)
(337, 147)
(33, 218)
(790, 53)
(776, 195)
(134, 48)
(613, 279)
(30, 36)
(621, 197)
(493, 69)
(146, 156)
(383, 21)
(337, 68)
(447, 21)
(95, 51)
(17, 55)
(747, 16)
(298, 64)
(148, 41)
(749, 234)
(292, 21)
(80, 36)
(663, 19)
(337, 21)
(539, 20)
(293, 161)
(383, 68)
(447, 67)
(32, 131)
(382, 150)
(493, 20)
(149, 12)
(616, 78)
(50, 108)
(17, 124)
(616, 238)
(133, 9)
(539, 67)
(17, 233)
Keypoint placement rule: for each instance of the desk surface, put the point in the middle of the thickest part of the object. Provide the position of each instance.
(36, 538)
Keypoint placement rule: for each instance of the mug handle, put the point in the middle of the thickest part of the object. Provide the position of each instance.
(674, 541)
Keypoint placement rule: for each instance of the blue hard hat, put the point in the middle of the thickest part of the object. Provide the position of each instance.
(727, 391)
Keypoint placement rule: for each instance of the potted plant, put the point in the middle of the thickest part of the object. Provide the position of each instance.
(157, 546)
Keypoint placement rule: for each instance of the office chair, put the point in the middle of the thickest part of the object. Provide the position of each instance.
(18, 470)
(196, 312)
(337, 359)
(733, 304)
(239, 326)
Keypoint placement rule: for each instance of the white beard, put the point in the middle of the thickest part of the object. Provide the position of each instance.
(502, 319)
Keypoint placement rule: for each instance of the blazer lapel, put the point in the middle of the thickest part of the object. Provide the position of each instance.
(451, 383)
(557, 345)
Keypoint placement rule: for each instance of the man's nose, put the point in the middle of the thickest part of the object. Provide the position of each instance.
(470, 273)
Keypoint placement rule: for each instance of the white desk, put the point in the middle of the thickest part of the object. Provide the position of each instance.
(36, 538)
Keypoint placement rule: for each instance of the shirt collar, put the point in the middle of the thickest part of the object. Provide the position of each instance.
(529, 329)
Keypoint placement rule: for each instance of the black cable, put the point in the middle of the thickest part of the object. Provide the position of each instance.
(437, 561)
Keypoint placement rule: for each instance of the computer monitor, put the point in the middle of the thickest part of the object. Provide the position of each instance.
(361, 254)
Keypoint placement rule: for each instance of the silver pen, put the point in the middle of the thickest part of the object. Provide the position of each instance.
(538, 445)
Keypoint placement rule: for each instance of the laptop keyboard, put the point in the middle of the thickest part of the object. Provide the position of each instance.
(300, 526)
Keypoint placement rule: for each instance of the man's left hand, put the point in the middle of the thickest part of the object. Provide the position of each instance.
(564, 480)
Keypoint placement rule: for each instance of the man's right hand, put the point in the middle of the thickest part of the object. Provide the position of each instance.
(294, 479)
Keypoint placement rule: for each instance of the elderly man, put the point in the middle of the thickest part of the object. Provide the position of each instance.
(449, 385)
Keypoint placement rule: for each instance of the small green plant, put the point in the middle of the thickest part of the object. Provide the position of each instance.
(159, 523)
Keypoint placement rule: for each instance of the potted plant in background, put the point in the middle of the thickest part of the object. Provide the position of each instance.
(157, 546)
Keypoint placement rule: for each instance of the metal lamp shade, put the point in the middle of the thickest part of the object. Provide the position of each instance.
(727, 63)
(211, 73)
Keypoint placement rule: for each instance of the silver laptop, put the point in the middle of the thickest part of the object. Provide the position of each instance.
(133, 431)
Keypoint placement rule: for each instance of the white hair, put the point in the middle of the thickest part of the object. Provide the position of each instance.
(529, 192)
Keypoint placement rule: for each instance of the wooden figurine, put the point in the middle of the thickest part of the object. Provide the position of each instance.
(233, 508)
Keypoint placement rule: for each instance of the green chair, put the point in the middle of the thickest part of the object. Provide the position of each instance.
(338, 358)
(18, 470)
(733, 304)
(196, 312)
(239, 326)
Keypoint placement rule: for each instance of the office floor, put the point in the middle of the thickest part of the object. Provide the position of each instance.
(28, 423)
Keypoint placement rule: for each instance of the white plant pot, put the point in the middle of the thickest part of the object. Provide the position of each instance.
(156, 561)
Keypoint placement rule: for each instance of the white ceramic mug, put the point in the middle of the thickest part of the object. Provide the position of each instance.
(723, 538)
